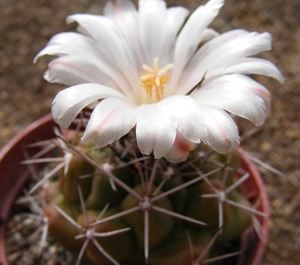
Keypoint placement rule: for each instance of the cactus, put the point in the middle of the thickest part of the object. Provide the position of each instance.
(114, 205)
(155, 178)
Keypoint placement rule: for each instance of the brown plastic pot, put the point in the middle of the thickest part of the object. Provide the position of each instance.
(13, 176)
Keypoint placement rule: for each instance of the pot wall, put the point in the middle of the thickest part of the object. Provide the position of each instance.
(13, 174)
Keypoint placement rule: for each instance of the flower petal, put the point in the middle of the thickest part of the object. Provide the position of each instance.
(69, 102)
(123, 11)
(175, 19)
(152, 28)
(154, 132)
(184, 114)
(213, 58)
(110, 120)
(237, 94)
(240, 46)
(255, 66)
(74, 44)
(209, 34)
(71, 71)
(222, 130)
(192, 34)
(104, 32)
(124, 14)
(180, 149)
(82, 47)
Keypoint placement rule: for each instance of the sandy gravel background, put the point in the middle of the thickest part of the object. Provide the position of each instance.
(27, 25)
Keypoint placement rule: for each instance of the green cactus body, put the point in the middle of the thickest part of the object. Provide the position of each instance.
(120, 246)
(177, 248)
(240, 219)
(60, 227)
(206, 209)
(102, 192)
(70, 180)
(152, 210)
(179, 198)
(159, 224)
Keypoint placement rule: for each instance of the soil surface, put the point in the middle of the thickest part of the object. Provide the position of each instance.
(27, 26)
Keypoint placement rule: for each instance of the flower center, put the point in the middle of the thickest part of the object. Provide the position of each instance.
(154, 80)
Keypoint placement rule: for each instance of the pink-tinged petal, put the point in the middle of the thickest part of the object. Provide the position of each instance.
(222, 130)
(72, 71)
(237, 94)
(192, 34)
(180, 149)
(256, 66)
(82, 47)
(124, 14)
(213, 58)
(110, 120)
(122, 11)
(107, 35)
(154, 132)
(183, 113)
(69, 102)
(152, 28)
(239, 82)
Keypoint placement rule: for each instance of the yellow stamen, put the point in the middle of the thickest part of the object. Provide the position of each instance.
(155, 79)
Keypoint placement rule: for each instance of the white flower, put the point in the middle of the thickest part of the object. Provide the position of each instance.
(140, 67)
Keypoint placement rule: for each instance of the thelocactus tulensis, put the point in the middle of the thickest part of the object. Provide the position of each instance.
(149, 173)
